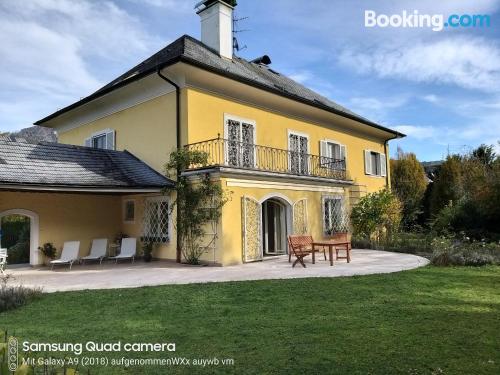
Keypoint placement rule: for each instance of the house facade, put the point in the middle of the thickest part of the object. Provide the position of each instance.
(294, 161)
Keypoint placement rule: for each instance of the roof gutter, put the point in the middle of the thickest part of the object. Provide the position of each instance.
(178, 137)
(78, 189)
(387, 159)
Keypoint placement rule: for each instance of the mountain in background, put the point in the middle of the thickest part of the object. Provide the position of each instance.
(33, 134)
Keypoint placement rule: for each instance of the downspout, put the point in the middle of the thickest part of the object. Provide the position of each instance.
(387, 159)
(178, 133)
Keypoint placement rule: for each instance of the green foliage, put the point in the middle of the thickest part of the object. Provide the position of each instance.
(475, 206)
(409, 184)
(485, 154)
(448, 251)
(416, 322)
(14, 228)
(14, 296)
(401, 242)
(448, 187)
(20, 251)
(48, 249)
(377, 215)
(147, 251)
(199, 202)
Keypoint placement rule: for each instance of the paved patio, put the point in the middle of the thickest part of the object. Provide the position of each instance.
(127, 275)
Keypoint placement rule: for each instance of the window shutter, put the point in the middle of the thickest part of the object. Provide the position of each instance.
(343, 155)
(323, 151)
(88, 142)
(110, 140)
(368, 162)
(383, 164)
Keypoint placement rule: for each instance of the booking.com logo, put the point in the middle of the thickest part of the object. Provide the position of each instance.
(415, 19)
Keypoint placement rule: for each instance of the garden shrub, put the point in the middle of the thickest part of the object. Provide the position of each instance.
(14, 296)
(401, 242)
(376, 216)
(448, 251)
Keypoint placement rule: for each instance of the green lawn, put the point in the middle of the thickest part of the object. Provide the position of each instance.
(429, 320)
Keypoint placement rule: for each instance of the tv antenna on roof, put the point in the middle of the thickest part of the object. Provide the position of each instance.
(236, 30)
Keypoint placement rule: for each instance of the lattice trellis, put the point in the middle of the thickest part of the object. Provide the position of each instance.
(252, 229)
(156, 220)
(300, 217)
(335, 215)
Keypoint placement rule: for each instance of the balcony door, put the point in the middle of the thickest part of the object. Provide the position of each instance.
(240, 140)
(298, 147)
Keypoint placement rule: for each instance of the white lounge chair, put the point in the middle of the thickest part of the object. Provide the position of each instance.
(69, 254)
(127, 250)
(3, 260)
(98, 250)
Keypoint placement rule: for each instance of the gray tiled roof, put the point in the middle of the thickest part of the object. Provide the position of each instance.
(190, 50)
(60, 165)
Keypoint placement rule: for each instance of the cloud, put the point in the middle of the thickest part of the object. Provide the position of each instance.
(431, 98)
(56, 51)
(472, 63)
(418, 132)
(376, 109)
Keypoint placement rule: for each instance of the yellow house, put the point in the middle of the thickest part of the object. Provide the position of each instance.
(294, 161)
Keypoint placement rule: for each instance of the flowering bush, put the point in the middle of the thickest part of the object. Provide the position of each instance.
(463, 252)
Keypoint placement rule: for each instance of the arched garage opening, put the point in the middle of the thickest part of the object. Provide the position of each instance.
(34, 258)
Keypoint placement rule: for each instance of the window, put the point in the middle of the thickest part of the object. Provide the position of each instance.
(99, 141)
(333, 155)
(104, 139)
(240, 135)
(298, 148)
(375, 163)
(129, 211)
(156, 220)
(335, 218)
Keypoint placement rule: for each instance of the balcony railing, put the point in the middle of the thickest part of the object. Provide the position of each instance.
(232, 154)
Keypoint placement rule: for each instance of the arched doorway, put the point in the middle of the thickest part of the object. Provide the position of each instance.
(276, 225)
(34, 258)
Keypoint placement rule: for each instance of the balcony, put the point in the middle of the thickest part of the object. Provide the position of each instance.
(223, 153)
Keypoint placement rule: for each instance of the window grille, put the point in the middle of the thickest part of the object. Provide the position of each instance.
(335, 215)
(156, 220)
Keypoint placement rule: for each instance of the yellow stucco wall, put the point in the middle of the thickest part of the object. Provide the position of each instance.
(205, 119)
(69, 217)
(135, 228)
(147, 130)
(231, 246)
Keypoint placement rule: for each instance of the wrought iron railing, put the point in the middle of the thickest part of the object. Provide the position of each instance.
(225, 153)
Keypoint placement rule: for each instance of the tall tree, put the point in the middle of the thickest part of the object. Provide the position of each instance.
(448, 186)
(408, 182)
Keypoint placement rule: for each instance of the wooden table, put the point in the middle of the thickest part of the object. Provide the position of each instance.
(330, 245)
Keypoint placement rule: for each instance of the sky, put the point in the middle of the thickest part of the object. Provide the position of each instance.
(441, 88)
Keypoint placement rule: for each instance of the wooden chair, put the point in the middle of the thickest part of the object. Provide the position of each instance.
(344, 240)
(301, 246)
(3, 260)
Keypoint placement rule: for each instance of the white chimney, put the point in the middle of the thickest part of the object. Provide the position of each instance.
(217, 25)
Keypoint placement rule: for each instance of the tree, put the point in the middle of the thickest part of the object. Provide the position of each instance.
(468, 199)
(408, 183)
(377, 215)
(199, 202)
(448, 186)
(484, 154)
